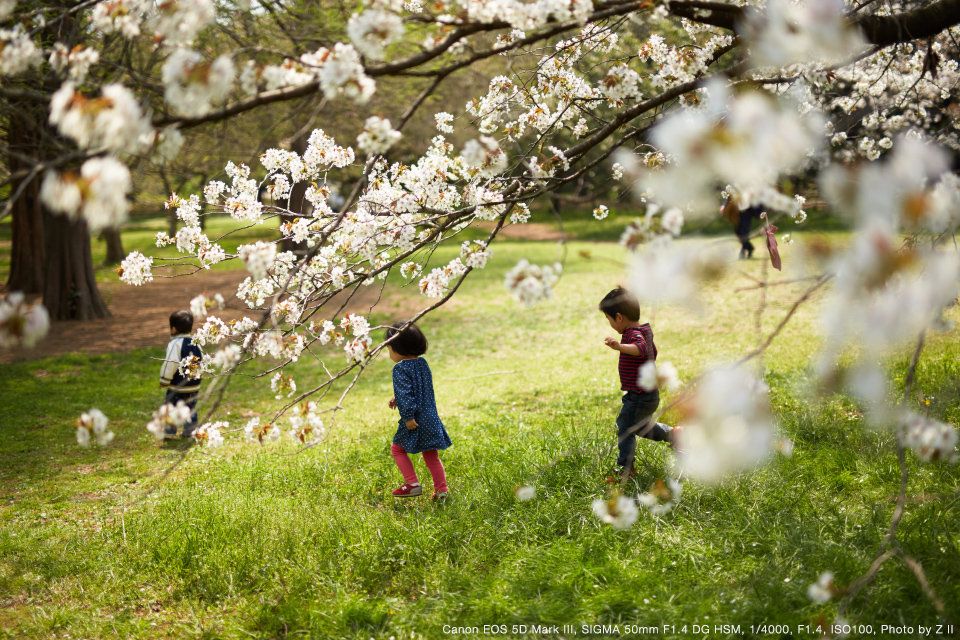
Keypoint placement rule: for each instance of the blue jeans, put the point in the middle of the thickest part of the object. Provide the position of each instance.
(636, 419)
(190, 399)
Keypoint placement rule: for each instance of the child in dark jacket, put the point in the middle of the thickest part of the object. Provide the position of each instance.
(420, 429)
(180, 387)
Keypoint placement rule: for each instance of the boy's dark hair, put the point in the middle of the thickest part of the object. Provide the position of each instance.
(182, 321)
(410, 342)
(623, 302)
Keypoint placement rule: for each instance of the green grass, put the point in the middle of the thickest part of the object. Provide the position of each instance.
(246, 542)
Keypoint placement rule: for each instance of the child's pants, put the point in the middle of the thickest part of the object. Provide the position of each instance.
(635, 420)
(430, 458)
(190, 399)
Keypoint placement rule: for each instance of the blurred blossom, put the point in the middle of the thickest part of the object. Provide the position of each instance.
(525, 493)
(662, 497)
(306, 427)
(377, 136)
(811, 31)
(21, 325)
(530, 283)
(728, 425)
(822, 590)
(747, 140)
(486, 156)
(929, 439)
(620, 512)
(658, 375)
(93, 423)
(666, 273)
(210, 433)
(373, 30)
(169, 415)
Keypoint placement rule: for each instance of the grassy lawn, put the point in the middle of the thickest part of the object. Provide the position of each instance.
(248, 542)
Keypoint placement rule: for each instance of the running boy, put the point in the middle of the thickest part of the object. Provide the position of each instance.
(636, 347)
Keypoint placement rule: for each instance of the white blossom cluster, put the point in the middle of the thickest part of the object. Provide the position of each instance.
(168, 416)
(211, 433)
(530, 283)
(306, 427)
(749, 140)
(662, 497)
(620, 512)
(136, 270)
(18, 53)
(201, 304)
(75, 62)
(658, 375)
(21, 325)
(93, 424)
(730, 426)
(98, 194)
(373, 31)
(283, 385)
(192, 86)
(486, 156)
(256, 432)
(115, 121)
(929, 439)
(377, 136)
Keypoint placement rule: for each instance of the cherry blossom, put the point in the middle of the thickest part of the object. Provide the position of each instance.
(620, 512)
(377, 136)
(730, 426)
(530, 283)
(21, 325)
(93, 423)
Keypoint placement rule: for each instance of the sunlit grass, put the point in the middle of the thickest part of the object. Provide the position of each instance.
(247, 542)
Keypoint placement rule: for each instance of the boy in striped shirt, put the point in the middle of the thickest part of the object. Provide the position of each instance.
(178, 386)
(636, 347)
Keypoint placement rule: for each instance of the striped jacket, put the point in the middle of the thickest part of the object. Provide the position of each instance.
(629, 366)
(180, 346)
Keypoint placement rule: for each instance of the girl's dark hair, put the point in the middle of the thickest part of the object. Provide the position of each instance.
(623, 302)
(182, 321)
(410, 342)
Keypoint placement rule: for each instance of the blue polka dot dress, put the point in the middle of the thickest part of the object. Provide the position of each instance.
(413, 389)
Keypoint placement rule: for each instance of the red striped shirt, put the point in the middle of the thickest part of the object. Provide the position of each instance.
(629, 366)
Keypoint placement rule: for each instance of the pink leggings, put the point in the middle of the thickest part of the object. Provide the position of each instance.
(430, 458)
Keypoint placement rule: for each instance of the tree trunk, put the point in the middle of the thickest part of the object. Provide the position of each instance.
(28, 250)
(70, 288)
(115, 253)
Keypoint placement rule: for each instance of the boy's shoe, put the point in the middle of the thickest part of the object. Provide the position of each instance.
(408, 491)
(440, 496)
(676, 439)
(619, 476)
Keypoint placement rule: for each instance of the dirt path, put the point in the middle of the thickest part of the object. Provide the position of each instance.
(140, 314)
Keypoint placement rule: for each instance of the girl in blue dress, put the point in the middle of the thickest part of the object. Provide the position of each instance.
(419, 429)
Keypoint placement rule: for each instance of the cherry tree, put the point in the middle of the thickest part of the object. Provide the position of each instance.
(677, 99)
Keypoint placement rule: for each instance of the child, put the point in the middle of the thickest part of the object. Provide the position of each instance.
(420, 429)
(180, 387)
(636, 347)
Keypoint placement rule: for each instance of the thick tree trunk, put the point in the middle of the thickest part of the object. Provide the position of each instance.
(115, 252)
(28, 251)
(70, 288)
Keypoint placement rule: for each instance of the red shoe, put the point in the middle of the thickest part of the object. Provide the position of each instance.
(440, 496)
(676, 439)
(619, 476)
(408, 491)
